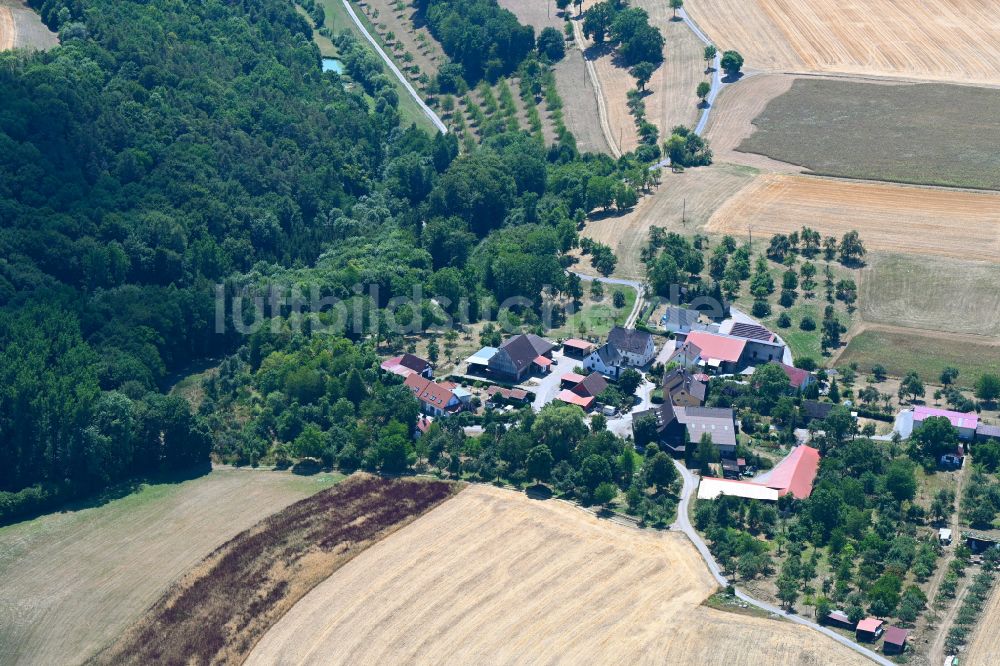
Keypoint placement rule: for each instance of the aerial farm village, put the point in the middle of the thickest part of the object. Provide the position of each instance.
(500, 331)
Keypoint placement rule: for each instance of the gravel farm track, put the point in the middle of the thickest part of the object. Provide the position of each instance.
(494, 576)
(951, 40)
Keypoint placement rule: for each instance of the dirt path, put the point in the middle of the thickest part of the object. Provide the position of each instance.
(936, 650)
(602, 108)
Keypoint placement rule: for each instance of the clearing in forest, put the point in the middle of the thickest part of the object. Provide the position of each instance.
(74, 580)
(217, 612)
(951, 40)
(493, 576)
(929, 134)
(890, 218)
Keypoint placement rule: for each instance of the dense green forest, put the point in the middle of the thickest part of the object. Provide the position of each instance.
(166, 148)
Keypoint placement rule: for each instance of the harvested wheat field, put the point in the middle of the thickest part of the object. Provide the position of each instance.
(952, 40)
(20, 27)
(492, 576)
(891, 218)
(932, 294)
(731, 120)
(74, 580)
(221, 607)
(672, 100)
(7, 31)
(985, 644)
(694, 195)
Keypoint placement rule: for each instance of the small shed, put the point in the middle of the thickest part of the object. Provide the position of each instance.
(869, 629)
(895, 640)
(838, 618)
(944, 536)
(578, 348)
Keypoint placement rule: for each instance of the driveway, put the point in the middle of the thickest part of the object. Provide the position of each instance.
(683, 524)
(546, 387)
(622, 425)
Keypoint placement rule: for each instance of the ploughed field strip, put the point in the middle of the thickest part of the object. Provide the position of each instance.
(928, 134)
(219, 610)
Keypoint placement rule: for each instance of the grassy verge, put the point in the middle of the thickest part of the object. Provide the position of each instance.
(723, 602)
(222, 607)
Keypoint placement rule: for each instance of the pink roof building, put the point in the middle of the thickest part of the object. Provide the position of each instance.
(962, 421)
(571, 398)
(796, 473)
(719, 348)
(870, 625)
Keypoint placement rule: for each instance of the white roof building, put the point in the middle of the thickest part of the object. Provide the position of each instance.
(711, 488)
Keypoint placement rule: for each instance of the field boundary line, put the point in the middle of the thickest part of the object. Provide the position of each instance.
(602, 110)
(395, 70)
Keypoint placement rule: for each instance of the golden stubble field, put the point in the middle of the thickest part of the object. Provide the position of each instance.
(985, 644)
(73, 581)
(683, 202)
(902, 219)
(951, 40)
(493, 576)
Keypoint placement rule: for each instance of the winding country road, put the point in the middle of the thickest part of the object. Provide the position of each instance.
(395, 70)
(683, 524)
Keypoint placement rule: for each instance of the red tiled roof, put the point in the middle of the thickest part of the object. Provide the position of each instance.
(796, 473)
(896, 636)
(542, 361)
(796, 376)
(572, 378)
(718, 347)
(427, 392)
(572, 398)
(423, 423)
(870, 624)
(510, 394)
